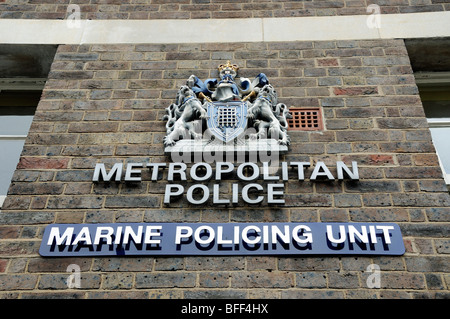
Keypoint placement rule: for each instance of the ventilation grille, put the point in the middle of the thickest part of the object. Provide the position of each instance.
(305, 119)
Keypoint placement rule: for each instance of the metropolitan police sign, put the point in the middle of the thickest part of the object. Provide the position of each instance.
(188, 239)
(245, 118)
(271, 193)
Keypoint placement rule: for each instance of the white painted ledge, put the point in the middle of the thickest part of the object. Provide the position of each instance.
(406, 25)
(318, 29)
(173, 31)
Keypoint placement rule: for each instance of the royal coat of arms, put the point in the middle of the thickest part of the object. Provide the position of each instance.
(226, 110)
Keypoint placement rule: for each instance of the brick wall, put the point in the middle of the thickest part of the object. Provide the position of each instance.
(201, 9)
(104, 103)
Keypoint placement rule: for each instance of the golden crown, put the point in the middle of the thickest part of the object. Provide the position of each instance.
(228, 66)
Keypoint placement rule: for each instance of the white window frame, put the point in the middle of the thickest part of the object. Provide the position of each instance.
(440, 122)
(425, 81)
(3, 138)
(19, 84)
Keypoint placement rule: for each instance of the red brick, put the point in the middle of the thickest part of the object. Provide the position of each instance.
(401, 280)
(356, 90)
(10, 232)
(426, 160)
(3, 264)
(327, 62)
(380, 159)
(16, 202)
(42, 163)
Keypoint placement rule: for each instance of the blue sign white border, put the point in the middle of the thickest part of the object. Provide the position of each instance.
(194, 239)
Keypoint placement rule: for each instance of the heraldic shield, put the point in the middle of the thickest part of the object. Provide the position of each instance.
(227, 120)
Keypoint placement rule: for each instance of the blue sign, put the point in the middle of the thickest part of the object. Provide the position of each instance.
(196, 239)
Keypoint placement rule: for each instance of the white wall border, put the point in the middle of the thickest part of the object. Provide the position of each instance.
(406, 25)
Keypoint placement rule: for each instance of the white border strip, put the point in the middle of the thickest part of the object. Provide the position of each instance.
(406, 25)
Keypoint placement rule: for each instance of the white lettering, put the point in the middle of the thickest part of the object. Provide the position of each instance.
(386, 235)
(330, 236)
(107, 235)
(301, 169)
(155, 167)
(308, 236)
(55, 235)
(180, 235)
(249, 241)
(83, 235)
(202, 200)
(170, 193)
(216, 199)
(130, 171)
(204, 230)
(220, 239)
(129, 232)
(220, 171)
(100, 172)
(152, 231)
(321, 170)
(284, 171)
(240, 172)
(266, 173)
(181, 171)
(373, 234)
(283, 236)
(271, 193)
(245, 196)
(363, 236)
(342, 168)
(207, 175)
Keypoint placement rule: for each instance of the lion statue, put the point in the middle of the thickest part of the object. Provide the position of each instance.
(184, 118)
(268, 117)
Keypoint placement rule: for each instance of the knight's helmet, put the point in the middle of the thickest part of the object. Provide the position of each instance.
(228, 71)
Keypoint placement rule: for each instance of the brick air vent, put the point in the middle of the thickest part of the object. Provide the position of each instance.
(305, 119)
